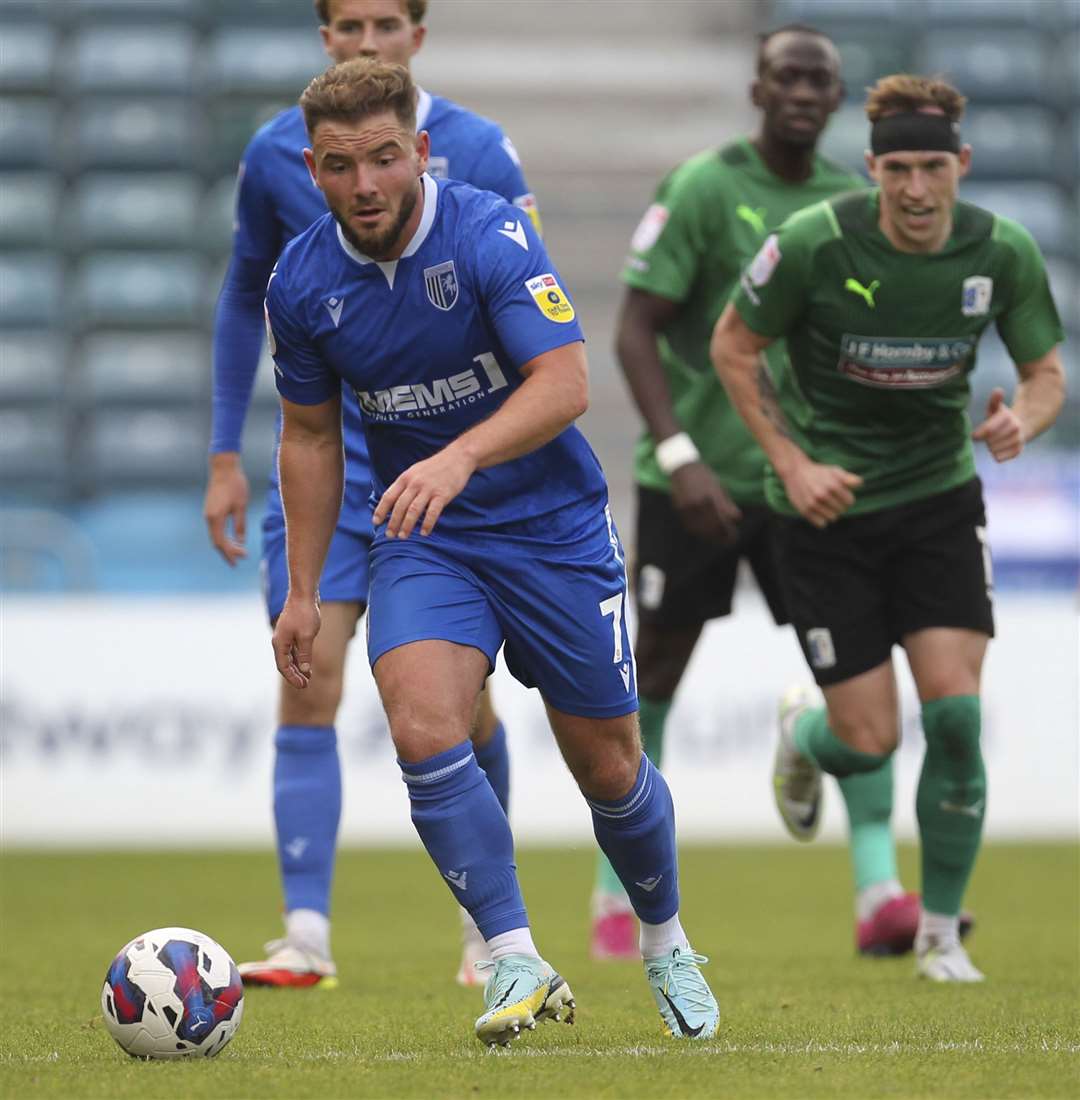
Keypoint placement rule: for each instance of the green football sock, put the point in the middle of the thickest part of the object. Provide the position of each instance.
(813, 738)
(951, 800)
(652, 716)
(869, 800)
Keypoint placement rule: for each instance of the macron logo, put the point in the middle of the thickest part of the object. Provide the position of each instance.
(650, 884)
(513, 231)
(624, 672)
(457, 878)
(334, 307)
(297, 846)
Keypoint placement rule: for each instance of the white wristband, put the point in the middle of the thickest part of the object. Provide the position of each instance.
(676, 451)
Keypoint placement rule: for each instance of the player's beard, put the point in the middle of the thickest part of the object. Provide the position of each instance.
(380, 243)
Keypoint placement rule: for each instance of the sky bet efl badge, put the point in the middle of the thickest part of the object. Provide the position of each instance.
(550, 299)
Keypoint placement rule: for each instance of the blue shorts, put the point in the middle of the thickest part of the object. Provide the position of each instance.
(345, 575)
(559, 607)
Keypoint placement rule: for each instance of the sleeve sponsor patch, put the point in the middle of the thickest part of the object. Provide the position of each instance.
(550, 298)
(649, 228)
(764, 263)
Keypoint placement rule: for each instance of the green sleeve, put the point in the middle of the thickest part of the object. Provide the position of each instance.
(773, 289)
(1029, 324)
(667, 245)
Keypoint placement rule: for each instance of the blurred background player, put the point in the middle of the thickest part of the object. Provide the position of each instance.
(492, 523)
(700, 475)
(276, 201)
(882, 298)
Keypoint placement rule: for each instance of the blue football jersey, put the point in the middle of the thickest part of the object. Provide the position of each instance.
(277, 200)
(433, 343)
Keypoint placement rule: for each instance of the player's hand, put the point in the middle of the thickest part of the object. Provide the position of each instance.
(294, 636)
(1002, 430)
(703, 504)
(820, 493)
(227, 499)
(421, 493)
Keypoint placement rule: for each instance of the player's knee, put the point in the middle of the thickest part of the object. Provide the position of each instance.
(866, 730)
(315, 705)
(609, 773)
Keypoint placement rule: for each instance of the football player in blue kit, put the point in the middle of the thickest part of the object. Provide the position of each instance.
(276, 201)
(438, 306)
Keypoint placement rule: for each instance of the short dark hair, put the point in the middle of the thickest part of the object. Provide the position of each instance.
(788, 28)
(353, 90)
(416, 10)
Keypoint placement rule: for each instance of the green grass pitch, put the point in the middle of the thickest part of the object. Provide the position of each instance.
(801, 1015)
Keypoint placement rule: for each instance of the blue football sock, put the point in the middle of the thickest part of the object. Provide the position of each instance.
(466, 833)
(637, 834)
(307, 809)
(495, 761)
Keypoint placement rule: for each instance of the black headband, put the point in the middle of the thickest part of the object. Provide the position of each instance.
(914, 132)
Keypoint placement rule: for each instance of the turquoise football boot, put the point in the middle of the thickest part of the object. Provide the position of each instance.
(521, 992)
(687, 1006)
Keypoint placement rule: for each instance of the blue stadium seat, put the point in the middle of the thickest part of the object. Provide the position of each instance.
(32, 453)
(155, 368)
(830, 14)
(125, 58)
(256, 62)
(263, 13)
(27, 56)
(1067, 72)
(869, 55)
(31, 289)
(1018, 143)
(977, 14)
(140, 288)
(1040, 207)
(29, 206)
(233, 121)
(136, 133)
(218, 214)
(126, 12)
(28, 130)
(33, 366)
(126, 209)
(991, 66)
(122, 447)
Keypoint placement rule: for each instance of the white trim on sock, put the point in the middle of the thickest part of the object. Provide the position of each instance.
(662, 939)
(518, 941)
(309, 930)
(938, 929)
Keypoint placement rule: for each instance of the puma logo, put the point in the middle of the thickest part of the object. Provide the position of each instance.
(865, 292)
(754, 218)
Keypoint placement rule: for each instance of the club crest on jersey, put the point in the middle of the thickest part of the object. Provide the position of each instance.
(977, 292)
(442, 285)
(550, 298)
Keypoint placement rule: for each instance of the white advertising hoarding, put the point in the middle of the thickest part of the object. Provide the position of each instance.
(150, 722)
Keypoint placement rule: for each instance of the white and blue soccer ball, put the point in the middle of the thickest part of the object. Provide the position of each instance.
(172, 993)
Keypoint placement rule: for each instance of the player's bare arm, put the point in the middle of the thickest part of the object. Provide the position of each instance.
(311, 464)
(226, 504)
(819, 493)
(703, 504)
(1036, 404)
(554, 394)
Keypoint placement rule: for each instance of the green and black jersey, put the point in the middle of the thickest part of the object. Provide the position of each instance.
(881, 342)
(709, 217)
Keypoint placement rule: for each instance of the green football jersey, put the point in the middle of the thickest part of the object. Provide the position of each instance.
(709, 217)
(881, 342)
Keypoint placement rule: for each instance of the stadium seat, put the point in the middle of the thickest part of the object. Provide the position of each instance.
(126, 59)
(28, 130)
(136, 133)
(260, 437)
(992, 66)
(233, 121)
(848, 137)
(258, 61)
(140, 288)
(1067, 72)
(1040, 207)
(29, 203)
(33, 366)
(155, 368)
(263, 13)
(31, 289)
(990, 13)
(867, 56)
(126, 12)
(33, 455)
(123, 448)
(124, 210)
(27, 57)
(1016, 143)
(1065, 285)
(218, 214)
(830, 14)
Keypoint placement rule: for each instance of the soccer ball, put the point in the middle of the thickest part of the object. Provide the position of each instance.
(172, 993)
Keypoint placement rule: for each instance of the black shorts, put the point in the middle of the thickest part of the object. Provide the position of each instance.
(682, 580)
(858, 586)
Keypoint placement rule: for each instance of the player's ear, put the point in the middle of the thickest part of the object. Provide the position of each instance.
(871, 164)
(309, 160)
(419, 33)
(423, 149)
(324, 34)
(964, 157)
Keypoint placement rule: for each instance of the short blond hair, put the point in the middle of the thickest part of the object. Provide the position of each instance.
(902, 93)
(354, 90)
(415, 9)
